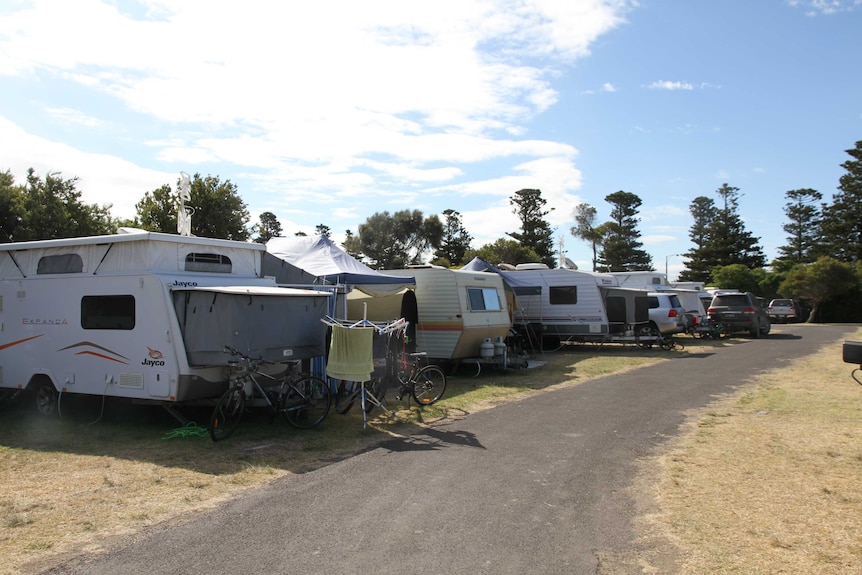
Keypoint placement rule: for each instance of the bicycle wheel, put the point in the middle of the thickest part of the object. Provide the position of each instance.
(429, 383)
(227, 414)
(307, 402)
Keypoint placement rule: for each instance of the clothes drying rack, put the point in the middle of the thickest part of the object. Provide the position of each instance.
(381, 328)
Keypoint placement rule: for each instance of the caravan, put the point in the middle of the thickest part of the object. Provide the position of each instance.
(143, 316)
(456, 311)
(565, 305)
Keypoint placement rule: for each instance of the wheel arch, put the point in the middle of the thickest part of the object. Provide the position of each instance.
(40, 378)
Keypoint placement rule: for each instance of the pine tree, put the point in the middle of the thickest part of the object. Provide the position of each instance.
(267, 228)
(842, 220)
(804, 226)
(724, 239)
(536, 233)
(702, 210)
(621, 247)
(455, 243)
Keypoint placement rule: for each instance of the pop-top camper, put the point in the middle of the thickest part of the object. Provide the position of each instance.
(456, 310)
(144, 316)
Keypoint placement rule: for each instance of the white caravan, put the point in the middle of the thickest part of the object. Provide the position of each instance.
(456, 311)
(562, 303)
(144, 316)
(567, 305)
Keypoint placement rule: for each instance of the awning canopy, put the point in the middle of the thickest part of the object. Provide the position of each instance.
(328, 264)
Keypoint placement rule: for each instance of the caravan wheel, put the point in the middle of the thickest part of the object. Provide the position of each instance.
(46, 397)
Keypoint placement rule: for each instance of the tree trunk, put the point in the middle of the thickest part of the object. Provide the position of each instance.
(815, 309)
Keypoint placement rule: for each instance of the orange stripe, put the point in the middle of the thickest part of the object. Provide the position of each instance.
(100, 355)
(11, 343)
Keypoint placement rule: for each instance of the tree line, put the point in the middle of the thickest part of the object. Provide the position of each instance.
(820, 263)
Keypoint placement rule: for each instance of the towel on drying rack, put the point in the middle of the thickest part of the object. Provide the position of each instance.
(350, 353)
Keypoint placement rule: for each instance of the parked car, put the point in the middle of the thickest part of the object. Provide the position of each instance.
(783, 310)
(739, 312)
(666, 312)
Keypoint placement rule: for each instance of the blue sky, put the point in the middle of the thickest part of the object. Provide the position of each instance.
(327, 112)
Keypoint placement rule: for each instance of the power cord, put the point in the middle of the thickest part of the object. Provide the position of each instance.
(191, 429)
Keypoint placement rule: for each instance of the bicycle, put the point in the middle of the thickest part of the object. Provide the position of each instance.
(670, 342)
(303, 399)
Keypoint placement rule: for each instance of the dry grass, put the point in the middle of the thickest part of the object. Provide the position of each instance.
(76, 484)
(768, 481)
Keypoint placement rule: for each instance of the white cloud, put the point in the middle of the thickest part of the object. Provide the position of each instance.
(102, 179)
(72, 117)
(815, 7)
(314, 104)
(672, 86)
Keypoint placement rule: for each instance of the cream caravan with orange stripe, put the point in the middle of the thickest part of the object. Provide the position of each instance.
(457, 310)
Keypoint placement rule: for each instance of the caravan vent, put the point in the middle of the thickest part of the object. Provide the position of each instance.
(531, 266)
(131, 380)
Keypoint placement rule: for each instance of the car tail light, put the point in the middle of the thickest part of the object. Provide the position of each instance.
(673, 313)
(749, 310)
(710, 310)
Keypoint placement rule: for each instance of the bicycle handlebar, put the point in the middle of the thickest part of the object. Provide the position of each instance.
(235, 352)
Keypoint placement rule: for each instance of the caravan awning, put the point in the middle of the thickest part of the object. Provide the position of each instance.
(254, 290)
(273, 323)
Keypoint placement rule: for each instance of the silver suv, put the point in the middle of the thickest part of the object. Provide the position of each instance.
(666, 312)
(738, 311)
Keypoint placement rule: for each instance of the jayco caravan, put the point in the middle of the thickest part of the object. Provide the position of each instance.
(144, 316)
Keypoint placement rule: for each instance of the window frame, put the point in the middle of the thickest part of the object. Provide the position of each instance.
(109, 311)
(483, 296)
(563, 295)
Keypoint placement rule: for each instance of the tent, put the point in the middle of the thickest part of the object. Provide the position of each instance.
(317, 260)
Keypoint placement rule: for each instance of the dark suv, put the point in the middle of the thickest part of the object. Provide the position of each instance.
(737, 311)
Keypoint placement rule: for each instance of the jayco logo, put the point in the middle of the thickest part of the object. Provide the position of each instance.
(154, 357)
(185, 284)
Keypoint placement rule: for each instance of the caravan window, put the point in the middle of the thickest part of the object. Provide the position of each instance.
(563, 295)
(215, 263)
(483, 299)
(108, 312)
(60, 264)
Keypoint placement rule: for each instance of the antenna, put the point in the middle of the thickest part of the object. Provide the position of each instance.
(184, 212)
(561, 242)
